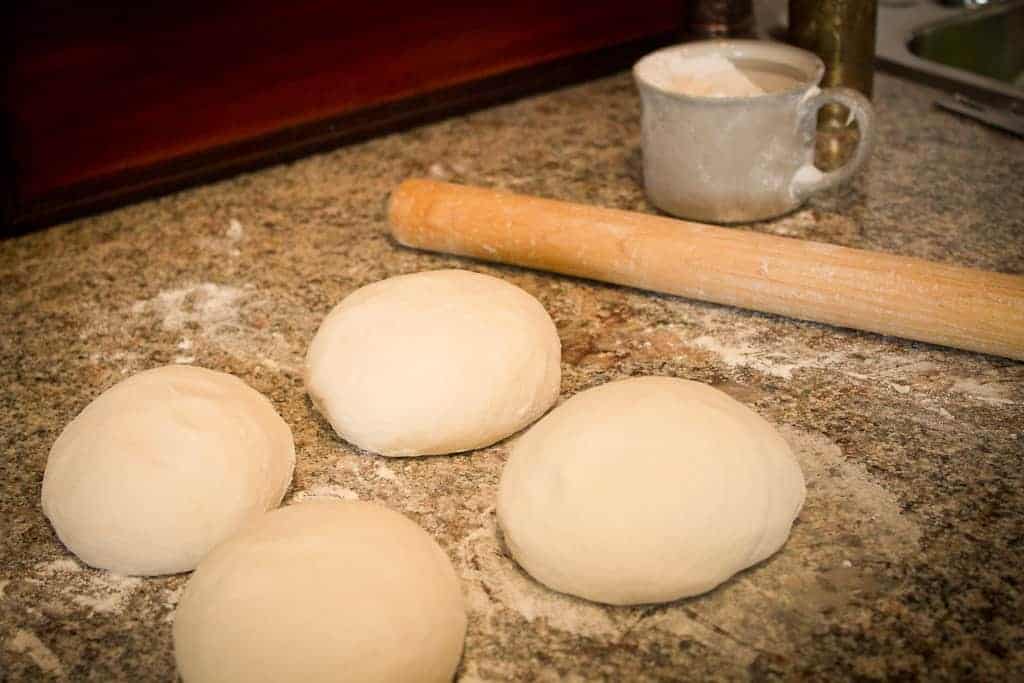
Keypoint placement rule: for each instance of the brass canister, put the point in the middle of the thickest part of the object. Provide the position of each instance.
(842, 34)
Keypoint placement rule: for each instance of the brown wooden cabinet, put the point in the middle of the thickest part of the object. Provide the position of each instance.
(106, 105)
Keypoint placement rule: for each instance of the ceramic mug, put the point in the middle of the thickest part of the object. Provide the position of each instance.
(741, 158)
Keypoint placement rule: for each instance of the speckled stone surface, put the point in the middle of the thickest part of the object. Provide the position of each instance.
(905, 563)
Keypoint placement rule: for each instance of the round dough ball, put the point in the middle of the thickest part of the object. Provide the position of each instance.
(647, 490)
(163, 466)
(435, 362)
(322, 591)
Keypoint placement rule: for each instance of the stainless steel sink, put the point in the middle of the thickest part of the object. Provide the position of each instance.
(987, 42)
(976, 49)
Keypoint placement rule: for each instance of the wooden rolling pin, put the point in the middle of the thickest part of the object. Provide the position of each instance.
(896, 295)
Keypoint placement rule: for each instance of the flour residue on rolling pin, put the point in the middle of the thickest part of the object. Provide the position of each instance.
(841, 286)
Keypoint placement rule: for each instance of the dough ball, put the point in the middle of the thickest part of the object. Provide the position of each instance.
(322, 591)
(435, 362)
(647, 490)
(163, 466)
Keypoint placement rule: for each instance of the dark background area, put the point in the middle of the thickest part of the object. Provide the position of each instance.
(108, 104)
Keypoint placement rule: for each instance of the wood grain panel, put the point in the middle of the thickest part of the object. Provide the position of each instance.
(103, 105)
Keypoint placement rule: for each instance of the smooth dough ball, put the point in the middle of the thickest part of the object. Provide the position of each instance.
(435, 362)
(322, 591)
(163, 466)
(647, 490)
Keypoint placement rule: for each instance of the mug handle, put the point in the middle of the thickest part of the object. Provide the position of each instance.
(808, 178)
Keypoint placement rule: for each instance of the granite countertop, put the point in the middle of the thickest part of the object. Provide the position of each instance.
(905, 562)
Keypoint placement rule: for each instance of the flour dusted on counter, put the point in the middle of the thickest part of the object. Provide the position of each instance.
(28, 643)
(235, 230)
(231, 318)
(100, 592)
(711, 76)
(206, 305)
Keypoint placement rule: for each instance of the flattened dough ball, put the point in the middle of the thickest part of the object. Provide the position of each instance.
(323, 591)
(163, 466)
(647, 490)
(435, 362)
